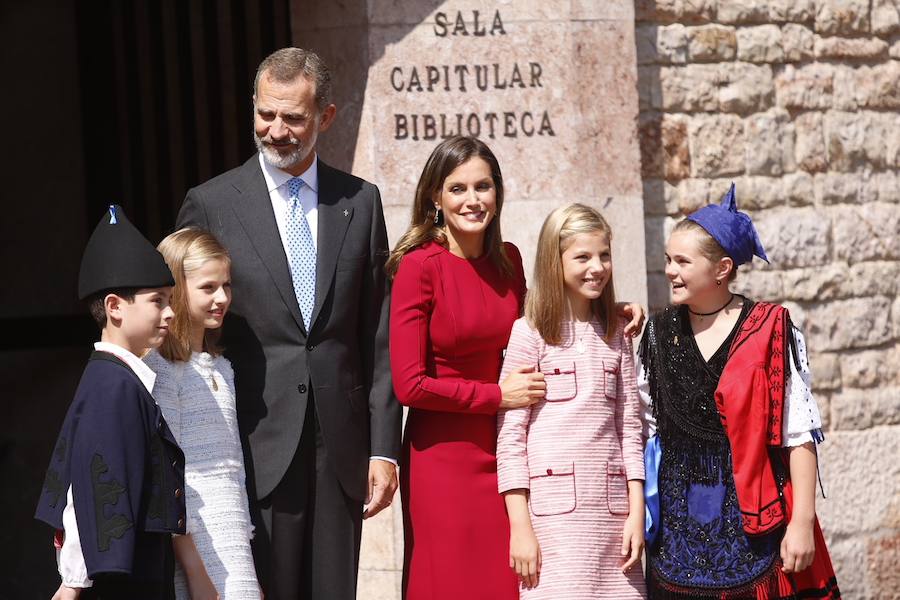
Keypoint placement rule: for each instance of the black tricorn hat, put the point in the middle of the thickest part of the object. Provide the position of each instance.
(118, 256)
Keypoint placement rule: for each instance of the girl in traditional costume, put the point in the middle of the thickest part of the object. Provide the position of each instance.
(570, 466)
(731, 461)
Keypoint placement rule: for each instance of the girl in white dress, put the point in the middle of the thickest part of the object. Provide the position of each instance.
(195, 390)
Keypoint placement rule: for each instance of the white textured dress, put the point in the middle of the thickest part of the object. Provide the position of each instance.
(198, 402)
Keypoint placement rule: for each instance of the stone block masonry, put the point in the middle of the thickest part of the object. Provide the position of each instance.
(651, 109)
(798, 103)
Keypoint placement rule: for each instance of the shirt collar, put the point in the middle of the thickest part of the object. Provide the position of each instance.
(275, 177)
(140, 368)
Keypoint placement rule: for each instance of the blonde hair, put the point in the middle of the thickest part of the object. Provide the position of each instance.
(423, 227)
(185, 251)
(545, 305)
(707, 245)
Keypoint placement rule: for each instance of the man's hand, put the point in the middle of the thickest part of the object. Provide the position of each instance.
(66, 593)
(382, 485)
(635, 312)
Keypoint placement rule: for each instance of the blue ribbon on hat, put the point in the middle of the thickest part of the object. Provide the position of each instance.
(731, 228)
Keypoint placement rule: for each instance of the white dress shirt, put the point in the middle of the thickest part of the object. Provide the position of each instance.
(69, 558)
(277, 186)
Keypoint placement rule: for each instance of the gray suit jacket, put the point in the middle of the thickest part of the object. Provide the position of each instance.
(343, 359)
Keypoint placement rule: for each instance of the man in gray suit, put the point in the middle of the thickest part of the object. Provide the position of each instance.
(307, 335)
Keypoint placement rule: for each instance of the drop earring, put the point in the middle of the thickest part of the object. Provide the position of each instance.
(437, 216)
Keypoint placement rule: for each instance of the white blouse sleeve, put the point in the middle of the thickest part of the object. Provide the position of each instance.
(802, 421)
(69, 558)
(643, 384)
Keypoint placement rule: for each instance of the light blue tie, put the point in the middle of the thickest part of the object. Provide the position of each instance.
(301, 252)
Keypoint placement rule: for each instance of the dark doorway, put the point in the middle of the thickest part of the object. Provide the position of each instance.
(108, 101)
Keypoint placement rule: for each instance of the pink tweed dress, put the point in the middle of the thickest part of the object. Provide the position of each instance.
(575, 451)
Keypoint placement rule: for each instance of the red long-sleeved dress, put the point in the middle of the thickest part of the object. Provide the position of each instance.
(450, 321)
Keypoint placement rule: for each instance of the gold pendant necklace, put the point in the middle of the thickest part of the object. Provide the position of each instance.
(207, 372)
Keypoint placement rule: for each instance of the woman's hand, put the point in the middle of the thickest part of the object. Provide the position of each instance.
(525, 555)
(635, 312)
(523, 387)
(798, 547)
(632, 540)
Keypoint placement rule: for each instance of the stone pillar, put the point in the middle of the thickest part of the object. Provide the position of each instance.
(550, 87)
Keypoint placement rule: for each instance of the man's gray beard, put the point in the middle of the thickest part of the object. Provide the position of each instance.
(277, 160)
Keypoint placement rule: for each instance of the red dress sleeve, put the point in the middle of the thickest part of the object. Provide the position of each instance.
(412, 301)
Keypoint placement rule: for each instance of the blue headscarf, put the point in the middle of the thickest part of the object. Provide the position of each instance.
(732, 229)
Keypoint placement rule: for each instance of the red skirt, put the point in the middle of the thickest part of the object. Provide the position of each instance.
(816, 581)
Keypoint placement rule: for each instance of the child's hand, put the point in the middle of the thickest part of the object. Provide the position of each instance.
(201, 586)
(634, 312)
(798, 547)
(632, 540)
(66, 593)
(525, 555)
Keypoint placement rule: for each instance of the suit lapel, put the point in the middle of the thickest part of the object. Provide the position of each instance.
(253, 208)
(334, 216)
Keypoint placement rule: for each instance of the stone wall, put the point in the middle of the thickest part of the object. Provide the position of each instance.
(798, 103)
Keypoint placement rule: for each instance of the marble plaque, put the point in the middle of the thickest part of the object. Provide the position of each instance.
(551, 87)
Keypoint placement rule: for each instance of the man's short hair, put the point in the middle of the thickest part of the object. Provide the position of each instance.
(285, 65)
(97, 306)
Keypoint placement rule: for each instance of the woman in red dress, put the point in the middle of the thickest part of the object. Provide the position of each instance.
(457, 290)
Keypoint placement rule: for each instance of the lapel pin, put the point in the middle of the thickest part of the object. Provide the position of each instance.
(346, 213)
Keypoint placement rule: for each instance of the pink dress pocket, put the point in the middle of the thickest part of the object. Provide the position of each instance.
(561, 380)
(616, 488)
(552, 488)
(610, 380)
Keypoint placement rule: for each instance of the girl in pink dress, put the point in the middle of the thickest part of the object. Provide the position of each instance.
(571, 467)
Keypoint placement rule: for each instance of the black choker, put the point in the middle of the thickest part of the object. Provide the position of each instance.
(718, 310)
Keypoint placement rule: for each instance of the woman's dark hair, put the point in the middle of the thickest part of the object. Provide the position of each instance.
(444, 159)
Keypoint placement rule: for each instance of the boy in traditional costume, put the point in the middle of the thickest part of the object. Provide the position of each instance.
(114, 489)
(731, 460)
